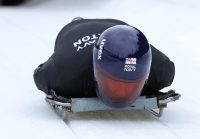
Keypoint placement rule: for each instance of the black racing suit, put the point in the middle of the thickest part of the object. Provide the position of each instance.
(68, 70)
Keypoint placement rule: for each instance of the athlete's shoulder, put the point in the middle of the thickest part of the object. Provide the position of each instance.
(83, 32)
(100, 21)
(83, 23)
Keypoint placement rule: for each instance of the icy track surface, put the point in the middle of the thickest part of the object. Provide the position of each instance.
(27, 36)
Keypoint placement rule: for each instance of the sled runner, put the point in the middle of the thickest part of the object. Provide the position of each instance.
(63, 106)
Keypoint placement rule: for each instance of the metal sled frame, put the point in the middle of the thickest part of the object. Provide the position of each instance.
(94, 104)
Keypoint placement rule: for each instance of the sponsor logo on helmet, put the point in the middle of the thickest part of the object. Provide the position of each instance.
(101, 49)
(130, 64)
(85, 41)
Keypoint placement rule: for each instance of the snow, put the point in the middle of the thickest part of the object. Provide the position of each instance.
(27, 37)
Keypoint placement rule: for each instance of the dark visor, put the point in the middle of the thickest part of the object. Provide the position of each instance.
(114, 89)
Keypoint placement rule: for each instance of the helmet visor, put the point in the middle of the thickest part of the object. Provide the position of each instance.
(114, 89)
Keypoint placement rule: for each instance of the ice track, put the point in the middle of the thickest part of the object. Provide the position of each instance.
(27, 37)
